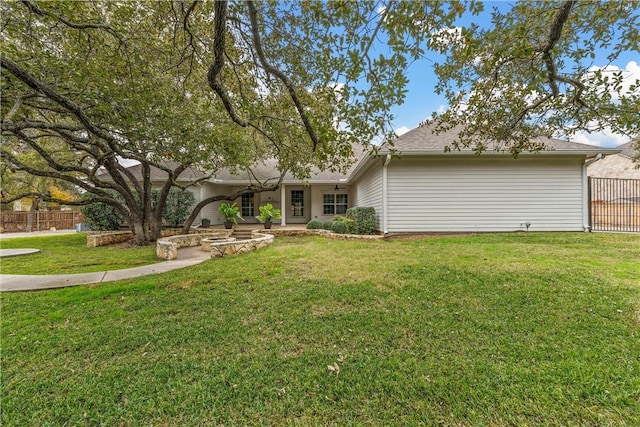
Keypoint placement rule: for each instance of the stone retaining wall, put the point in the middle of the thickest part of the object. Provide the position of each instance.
(103, 238)
(167, 247)
(326, 233)
(257, 241)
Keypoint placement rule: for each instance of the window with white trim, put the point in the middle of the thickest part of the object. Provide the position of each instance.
(335, 204)
(246, 206)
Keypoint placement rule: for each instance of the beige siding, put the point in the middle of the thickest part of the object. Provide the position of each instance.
(369, 191)
(477, 194)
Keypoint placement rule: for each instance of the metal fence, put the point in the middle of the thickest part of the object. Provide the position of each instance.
(11, 222)
(614, 204)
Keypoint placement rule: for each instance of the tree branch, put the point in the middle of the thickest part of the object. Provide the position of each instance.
(220, 23)
(257, 42)
(35, 84)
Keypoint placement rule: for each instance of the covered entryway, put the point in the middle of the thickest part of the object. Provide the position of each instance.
(614, 204)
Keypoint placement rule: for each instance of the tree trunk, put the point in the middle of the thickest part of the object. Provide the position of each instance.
(156, 228)
(141, 233)
(32, 213)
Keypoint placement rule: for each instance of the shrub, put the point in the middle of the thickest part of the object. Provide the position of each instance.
(351, 226)
(348, 222)
(314, 224)
(339, 227)
(177, 206)
(364, 218)
(101, 216)
(327, 225)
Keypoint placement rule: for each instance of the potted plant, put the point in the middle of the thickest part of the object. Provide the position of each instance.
(231, 214)
(267, 213)
(205, 222)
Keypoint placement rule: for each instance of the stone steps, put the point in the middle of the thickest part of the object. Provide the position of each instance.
(241, 234)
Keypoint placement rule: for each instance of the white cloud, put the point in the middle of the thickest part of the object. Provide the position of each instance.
(605, 139)
(402, 130)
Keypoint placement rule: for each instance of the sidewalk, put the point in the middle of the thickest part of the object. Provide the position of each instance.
(35, 234)
(16, 282)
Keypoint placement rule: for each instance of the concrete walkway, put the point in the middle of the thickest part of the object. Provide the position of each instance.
(7, 253)
(35, 233)
(16, 282)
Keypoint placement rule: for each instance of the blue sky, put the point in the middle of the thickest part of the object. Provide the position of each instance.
(422, 101)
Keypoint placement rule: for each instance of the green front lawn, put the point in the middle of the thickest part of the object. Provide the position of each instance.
(496, 329)
(68, 254)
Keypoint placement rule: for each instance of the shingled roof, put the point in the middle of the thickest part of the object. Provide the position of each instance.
(628, 149)
(158, 175)
(424, 139)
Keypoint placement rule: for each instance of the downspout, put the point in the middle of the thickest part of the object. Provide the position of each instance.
(283, 202)
(385, 223)
(586, 208)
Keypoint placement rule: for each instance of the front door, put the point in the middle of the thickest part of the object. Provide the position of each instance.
(298, 211)
(247, 207)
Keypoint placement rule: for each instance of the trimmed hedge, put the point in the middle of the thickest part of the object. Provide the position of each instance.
(339, 227)
(364, 219)
(357, 221)
(327, 225)
(314, 224)
(350, 225)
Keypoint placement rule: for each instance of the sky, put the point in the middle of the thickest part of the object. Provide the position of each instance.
(422, 101)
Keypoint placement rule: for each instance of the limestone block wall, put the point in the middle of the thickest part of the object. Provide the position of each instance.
(167, 247)
(258, 240)
(103, 238)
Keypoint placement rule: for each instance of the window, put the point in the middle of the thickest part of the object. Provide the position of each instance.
(246, 207)
(297, 203)
(334, 204)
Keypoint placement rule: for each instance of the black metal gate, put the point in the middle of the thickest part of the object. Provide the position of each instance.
(614, 204)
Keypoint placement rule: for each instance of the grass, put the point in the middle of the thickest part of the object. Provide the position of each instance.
(511, 329)
(68, 254)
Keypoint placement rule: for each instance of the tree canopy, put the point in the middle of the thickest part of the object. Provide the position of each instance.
(533, 72)
(209, 85)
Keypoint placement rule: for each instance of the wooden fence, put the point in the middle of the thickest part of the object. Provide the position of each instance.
(11, 222)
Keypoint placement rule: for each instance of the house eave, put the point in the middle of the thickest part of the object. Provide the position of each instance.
(547, 153)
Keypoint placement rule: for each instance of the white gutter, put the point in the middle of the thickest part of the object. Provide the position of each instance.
(468, 153)
(595, 159)
(585, 197)
(385, 223)
(585, 191)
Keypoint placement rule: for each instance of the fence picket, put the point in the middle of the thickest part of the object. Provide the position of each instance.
(44, 220)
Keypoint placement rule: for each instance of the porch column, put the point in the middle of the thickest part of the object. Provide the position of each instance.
(283, 203)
